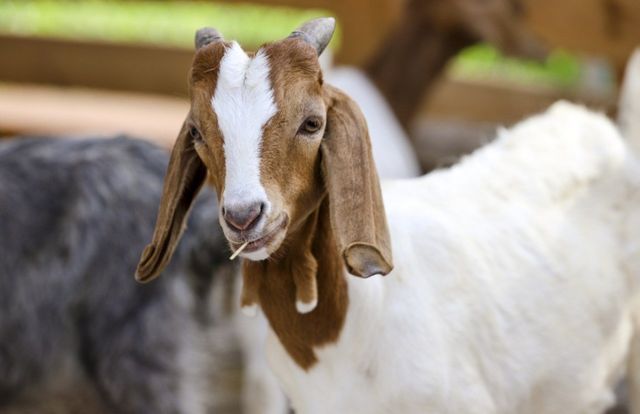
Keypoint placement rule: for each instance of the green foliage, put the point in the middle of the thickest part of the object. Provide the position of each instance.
(485, 62)
(161, 22)
(174, 23)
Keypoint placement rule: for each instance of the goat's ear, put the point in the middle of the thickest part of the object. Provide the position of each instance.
(355, 200)
(185, 175)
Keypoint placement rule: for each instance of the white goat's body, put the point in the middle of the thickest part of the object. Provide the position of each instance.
(513, 288)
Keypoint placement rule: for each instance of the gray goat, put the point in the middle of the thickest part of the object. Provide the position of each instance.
(77, 333)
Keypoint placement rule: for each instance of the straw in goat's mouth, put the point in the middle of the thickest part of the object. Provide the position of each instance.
(237, 252)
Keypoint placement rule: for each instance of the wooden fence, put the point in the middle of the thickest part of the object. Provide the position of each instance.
(609, 29)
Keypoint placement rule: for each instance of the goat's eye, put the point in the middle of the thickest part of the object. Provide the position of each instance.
(311, 125)
(195, 134)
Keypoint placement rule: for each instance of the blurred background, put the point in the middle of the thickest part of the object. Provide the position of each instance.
(450, 69)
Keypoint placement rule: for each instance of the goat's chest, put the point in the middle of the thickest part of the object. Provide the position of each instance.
(367, 370)
(341, 381)
(332, 385)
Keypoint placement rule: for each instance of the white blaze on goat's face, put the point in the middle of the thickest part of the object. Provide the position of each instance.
(259, 121)
(243, 103)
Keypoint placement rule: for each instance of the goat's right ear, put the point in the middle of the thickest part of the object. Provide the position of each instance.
(185, 175)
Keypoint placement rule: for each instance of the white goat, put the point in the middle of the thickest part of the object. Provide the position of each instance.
(515, 288)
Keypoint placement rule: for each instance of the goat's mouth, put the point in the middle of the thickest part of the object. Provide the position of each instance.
(265, 241)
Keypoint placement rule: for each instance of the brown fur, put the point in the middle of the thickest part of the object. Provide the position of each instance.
(299, 333)
(325, 185)
(357, 214)
(185, 174)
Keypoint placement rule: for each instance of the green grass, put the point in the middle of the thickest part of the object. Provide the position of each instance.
(162, 22)
(174, 23)
(560, 69)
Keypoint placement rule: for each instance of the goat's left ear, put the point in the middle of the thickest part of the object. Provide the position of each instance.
(355, 200)
(185, 175)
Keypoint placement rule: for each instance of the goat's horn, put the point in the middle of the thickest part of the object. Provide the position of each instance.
(316, 32)
(207, 35)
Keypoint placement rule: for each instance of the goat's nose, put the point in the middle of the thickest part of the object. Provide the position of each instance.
(243, 217)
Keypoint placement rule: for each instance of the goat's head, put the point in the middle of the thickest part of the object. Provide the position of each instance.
(275, 142)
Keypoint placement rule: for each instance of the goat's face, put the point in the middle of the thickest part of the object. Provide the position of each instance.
(258, 132)
(273, 141)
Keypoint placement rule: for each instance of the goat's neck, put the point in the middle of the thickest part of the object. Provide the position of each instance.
(312, 248)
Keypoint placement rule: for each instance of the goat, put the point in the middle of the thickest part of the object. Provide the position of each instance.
(77, 335)
(515, 287)
(439, 38)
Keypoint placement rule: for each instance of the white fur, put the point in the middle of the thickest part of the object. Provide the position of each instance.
(260, 254)
(243, 103)
(629, 114)
(513, 291)
(392, 149)
(250, 310)
(303, 307)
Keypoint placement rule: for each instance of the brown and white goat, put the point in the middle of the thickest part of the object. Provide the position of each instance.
(516, 279)
(273, 185)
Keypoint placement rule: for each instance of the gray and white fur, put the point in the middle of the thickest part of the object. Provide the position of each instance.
(77, 333)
